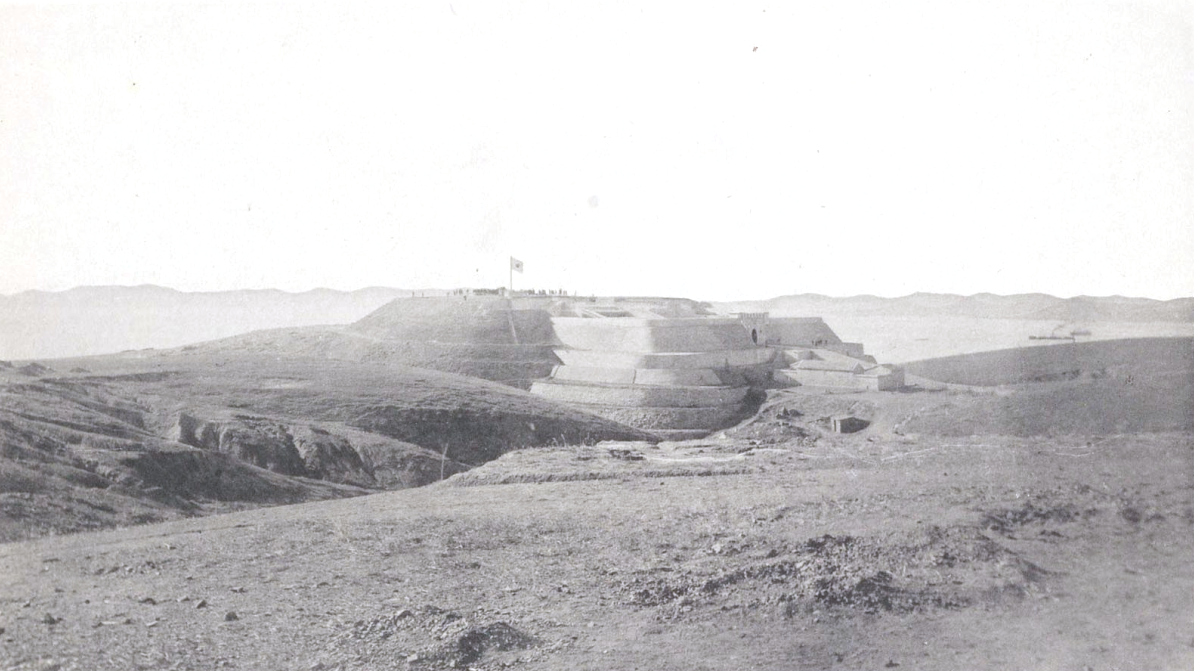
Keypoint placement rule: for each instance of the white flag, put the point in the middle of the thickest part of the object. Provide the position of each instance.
(515, 264)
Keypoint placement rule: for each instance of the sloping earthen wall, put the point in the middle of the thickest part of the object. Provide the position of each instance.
(687, 375)
(656, 360)
(800, 332)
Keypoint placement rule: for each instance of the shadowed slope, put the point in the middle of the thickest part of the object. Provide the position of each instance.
(135, 439)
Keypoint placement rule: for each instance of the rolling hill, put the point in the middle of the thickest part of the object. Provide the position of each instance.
(103, 441)
(1017, 306)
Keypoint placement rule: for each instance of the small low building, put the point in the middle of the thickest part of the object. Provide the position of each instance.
(823, 368)
(884, 378)
(847, 424)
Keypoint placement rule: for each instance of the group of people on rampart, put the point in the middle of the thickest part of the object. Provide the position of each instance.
(502, 291)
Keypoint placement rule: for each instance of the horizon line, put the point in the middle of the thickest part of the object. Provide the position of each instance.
(374, 287)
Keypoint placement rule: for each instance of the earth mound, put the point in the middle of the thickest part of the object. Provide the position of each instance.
(513, 365)
(458, 319)
(1108, 387)
(482, 336)
(1139, 358)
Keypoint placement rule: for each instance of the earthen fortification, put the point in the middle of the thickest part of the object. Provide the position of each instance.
(667, 365)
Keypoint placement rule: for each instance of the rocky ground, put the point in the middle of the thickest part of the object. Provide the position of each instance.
(107, 441)
(838, 552)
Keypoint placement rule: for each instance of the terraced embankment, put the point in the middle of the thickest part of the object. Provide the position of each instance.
(678, 378)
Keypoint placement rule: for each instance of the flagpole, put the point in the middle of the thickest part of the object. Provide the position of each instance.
(515, 264)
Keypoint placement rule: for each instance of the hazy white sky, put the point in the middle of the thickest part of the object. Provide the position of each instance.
(647, 148)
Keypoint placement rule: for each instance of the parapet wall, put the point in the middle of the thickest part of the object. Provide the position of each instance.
(648, 336)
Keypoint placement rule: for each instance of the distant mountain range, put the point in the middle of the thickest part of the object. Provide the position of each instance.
(1080, 309)
(100, 320)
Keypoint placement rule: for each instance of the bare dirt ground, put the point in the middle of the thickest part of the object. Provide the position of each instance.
(870, 551)
(1037, 522)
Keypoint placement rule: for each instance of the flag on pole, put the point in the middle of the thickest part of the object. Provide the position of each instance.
(515, 264)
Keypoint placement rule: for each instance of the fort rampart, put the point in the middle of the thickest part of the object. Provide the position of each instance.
(663, 364)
